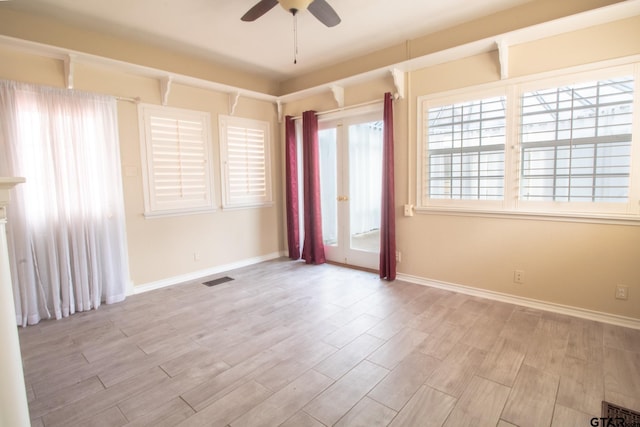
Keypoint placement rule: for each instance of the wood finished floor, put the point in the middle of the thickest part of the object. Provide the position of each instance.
(296, 345)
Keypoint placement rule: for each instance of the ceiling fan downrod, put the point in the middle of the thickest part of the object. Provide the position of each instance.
(318, 8)
(294, 12)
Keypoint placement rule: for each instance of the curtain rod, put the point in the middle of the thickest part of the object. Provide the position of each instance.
(335, 110)
(135, 100)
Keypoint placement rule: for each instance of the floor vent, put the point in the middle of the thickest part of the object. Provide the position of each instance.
(218, 281)
(618, 413)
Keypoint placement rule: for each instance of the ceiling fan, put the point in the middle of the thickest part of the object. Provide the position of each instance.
(318, 8)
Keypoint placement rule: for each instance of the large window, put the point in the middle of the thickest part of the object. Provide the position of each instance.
(562, 145)
(176, 155)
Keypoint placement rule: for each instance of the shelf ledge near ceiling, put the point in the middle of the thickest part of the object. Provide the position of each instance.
(500, 42)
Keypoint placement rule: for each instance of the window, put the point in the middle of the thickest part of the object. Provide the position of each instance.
(561, 145)
(176, 153)
(466, 150)
(244, 155)
(576, 142)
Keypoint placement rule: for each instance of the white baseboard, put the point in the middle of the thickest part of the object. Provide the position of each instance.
(195, 275)
(598, 316)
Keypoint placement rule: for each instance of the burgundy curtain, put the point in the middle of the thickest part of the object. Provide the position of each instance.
(291, 159)
(388, 220)
(313, 248)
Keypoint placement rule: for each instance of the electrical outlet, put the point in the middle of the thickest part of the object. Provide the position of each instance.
(196, 256)
(518, 276)
(408, 210)
(622, 292)
(398, 257)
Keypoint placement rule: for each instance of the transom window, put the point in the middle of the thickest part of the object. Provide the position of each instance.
(553, 146)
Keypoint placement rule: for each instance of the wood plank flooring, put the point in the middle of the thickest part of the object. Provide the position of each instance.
(296, 345)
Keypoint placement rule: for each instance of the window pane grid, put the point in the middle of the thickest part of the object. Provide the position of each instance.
(465, 150)
(576, 142)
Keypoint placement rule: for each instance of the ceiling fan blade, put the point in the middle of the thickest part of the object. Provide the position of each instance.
(262, 7)
(324, 12)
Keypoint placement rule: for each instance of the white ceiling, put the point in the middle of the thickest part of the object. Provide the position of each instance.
(213, 29)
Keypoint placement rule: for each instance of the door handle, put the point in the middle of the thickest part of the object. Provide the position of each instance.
(343, 198)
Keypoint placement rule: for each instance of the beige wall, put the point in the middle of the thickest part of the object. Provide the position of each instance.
(570, 263)
(162, 248)
(575, 264)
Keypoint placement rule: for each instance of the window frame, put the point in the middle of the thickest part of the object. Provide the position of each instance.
(247, 202)
(152, 208)
(424, 104)
(512, 205)
(593, 208)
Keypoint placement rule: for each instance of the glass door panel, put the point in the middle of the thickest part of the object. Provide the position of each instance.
(329, 185)
(365, 185)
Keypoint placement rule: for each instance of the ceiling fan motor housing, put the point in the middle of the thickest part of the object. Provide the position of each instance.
(318, 8)
(294, 6)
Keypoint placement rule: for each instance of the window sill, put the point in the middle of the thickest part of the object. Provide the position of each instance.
(181, 212)
(593, 218)
(247, 206)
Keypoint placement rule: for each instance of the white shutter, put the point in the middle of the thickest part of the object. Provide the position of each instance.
(576, 142)
(177, 154)
(564, 144)
(465, 148)
(244, 145)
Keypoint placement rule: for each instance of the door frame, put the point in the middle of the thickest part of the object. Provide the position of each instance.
(343, 253)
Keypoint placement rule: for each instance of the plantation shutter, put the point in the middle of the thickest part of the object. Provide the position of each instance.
(245, 159)
(576, 142)
(465, 148)
(178, 160)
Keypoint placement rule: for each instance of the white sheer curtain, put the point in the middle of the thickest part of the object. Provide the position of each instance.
(66, 233)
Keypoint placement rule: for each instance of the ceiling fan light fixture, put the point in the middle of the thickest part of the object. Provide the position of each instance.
(320, 9)
(294, 6)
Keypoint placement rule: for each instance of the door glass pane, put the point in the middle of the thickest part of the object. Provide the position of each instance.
(329, 185)
(365, 185)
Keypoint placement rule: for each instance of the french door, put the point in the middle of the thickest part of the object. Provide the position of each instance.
(351, 184)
